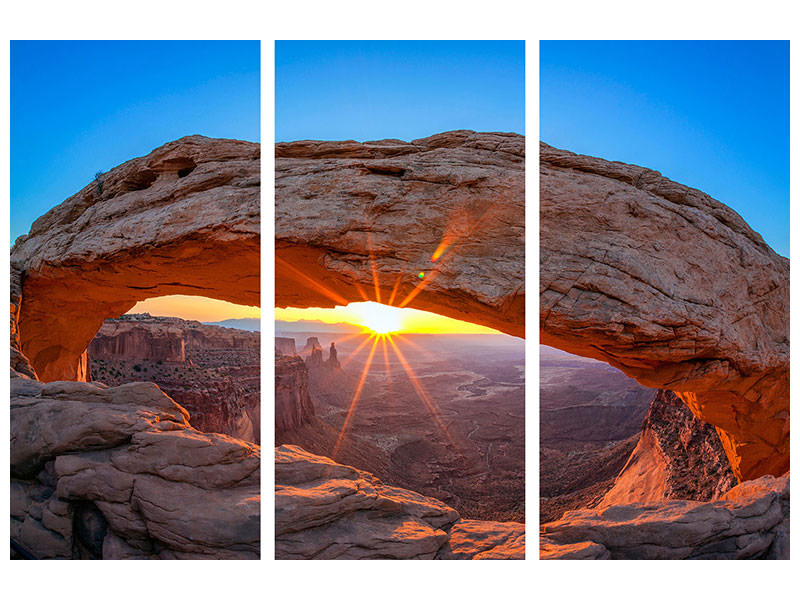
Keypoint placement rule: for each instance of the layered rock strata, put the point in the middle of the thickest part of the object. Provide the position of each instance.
(327, 510)
(674, 289)
(293, 406)
(98, 253)
(449, 207)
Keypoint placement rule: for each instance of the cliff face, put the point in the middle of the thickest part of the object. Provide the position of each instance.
(450, 206)
(211, 371)
(293, 406)
(99, 252)
(675, 290)
(678, 457)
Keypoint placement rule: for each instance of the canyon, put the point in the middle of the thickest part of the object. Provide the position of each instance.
(212, 371)
(449, 426)
(118, 472)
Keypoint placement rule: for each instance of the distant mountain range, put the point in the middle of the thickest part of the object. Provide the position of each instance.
(249, 324)
(313, 326)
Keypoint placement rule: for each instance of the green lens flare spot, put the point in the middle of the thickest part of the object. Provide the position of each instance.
(421, 275)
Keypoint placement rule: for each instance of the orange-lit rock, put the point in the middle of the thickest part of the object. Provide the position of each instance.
(749, 521)
(673, 288)
(182, 220)
(357, 222)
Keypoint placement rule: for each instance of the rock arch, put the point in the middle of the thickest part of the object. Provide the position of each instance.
(673, 288)
(362, 221)
(182, 220)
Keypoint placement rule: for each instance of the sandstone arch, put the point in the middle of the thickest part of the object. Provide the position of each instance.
(673, 288)
(360, 221)
(182, 220)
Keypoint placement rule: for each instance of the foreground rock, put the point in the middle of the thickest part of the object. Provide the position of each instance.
(450, 206)
(109, 473)
(182, 220)
(327, 510)
(749, 521)
(674, 289)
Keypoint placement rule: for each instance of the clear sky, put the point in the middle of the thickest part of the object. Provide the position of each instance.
(82, 107)
(369, 90)
(711, 115)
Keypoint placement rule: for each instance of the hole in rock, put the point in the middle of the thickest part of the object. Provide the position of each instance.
(607, 440)
(203, 353)
(425, 402)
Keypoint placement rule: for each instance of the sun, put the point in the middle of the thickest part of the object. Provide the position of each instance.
(380, 318)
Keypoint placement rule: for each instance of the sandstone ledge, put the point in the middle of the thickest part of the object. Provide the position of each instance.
(326, 510)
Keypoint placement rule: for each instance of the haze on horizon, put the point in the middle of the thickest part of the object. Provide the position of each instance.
(394, 319)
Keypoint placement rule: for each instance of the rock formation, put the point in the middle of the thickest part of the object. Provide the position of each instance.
(159, 488)
(314, 360)
(333, 358)
(285, 346)
(130, 339)
(327, 510)
(450, 206)
(99, 252)
(312, 343)
(678, 457)
(293, 405)
(674, 289)
(117, 472)
(749, 521)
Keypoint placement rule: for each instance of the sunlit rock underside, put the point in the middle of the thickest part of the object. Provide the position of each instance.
(182, 220)
(362, 221)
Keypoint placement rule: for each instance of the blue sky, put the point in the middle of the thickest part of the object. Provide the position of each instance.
(82, 107)
(369, 90)
(711, 115)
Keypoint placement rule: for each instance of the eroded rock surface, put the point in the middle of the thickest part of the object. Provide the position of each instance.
(450, 206)
(749, 521)
(327, 510)
(152, 486)
(118, 472)
(182, 220)
(674, 289)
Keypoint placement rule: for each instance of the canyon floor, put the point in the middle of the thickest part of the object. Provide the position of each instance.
(454, 430)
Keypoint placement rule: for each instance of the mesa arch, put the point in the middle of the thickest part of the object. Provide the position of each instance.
(182, 220)
(674, 289)
(361, 221)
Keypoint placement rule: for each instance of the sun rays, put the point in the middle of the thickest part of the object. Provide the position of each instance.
(382, 317)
